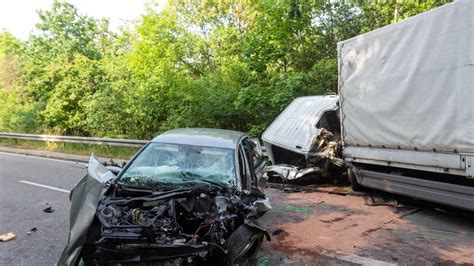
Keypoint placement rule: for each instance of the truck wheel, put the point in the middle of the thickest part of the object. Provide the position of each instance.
(353, 179)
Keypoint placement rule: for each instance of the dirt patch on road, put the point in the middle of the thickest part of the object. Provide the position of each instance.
(339, 231)
(309, 226)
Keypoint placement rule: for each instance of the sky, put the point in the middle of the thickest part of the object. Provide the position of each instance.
(19, 16)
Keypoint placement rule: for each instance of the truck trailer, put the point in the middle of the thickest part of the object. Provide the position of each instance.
(404, 113)
(406, 101)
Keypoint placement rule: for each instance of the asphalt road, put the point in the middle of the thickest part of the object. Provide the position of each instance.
(22, 204)
(316, 228)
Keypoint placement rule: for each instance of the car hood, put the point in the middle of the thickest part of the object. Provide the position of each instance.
(84, 198)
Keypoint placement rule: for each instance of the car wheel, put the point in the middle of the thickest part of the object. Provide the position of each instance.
(242, 246)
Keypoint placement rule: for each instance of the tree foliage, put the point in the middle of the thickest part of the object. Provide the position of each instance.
(222, 64)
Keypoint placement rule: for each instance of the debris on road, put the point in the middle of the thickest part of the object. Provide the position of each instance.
(377, 200)
(283, 173)
(7, 237)
(32, 230)
(342, 191)
(323, 188)
(291, 190)
(48, 209)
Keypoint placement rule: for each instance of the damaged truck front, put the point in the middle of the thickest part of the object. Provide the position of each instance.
(190, 197)
(303, 142)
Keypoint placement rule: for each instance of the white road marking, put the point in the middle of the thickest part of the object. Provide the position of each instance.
(44, 186)
(40, 157)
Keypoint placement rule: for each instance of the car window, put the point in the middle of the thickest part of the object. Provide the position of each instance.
(180, 165)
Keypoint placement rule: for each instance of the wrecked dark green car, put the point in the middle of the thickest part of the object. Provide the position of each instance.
(189, 197)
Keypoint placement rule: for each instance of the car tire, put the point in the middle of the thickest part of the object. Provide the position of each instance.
(244, 240)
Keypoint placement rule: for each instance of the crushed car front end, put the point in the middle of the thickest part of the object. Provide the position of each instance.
(173, 204)
(186, 225)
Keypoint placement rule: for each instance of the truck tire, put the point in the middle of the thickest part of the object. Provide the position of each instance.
(353, 179)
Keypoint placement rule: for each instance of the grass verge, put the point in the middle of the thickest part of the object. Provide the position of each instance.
(72, 148)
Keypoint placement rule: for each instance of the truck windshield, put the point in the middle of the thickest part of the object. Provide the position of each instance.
(179, 165)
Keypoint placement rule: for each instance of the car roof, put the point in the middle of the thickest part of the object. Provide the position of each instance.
(209, 137)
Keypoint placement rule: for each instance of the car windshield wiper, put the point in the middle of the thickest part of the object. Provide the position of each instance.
(189, 176)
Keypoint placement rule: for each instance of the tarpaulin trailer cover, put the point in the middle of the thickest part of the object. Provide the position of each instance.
(409, 85)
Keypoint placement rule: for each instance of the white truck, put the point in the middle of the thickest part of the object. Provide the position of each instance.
(406, 107)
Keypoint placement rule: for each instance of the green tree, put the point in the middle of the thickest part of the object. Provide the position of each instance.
(227, 64)
(61, 67)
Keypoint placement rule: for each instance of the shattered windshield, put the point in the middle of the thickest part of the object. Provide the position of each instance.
(180, 165)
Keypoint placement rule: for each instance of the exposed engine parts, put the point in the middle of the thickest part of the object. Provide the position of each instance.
(192, 221)
(189, 197)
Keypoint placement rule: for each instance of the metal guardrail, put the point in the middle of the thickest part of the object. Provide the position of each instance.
(81, 140)
(84, 140)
